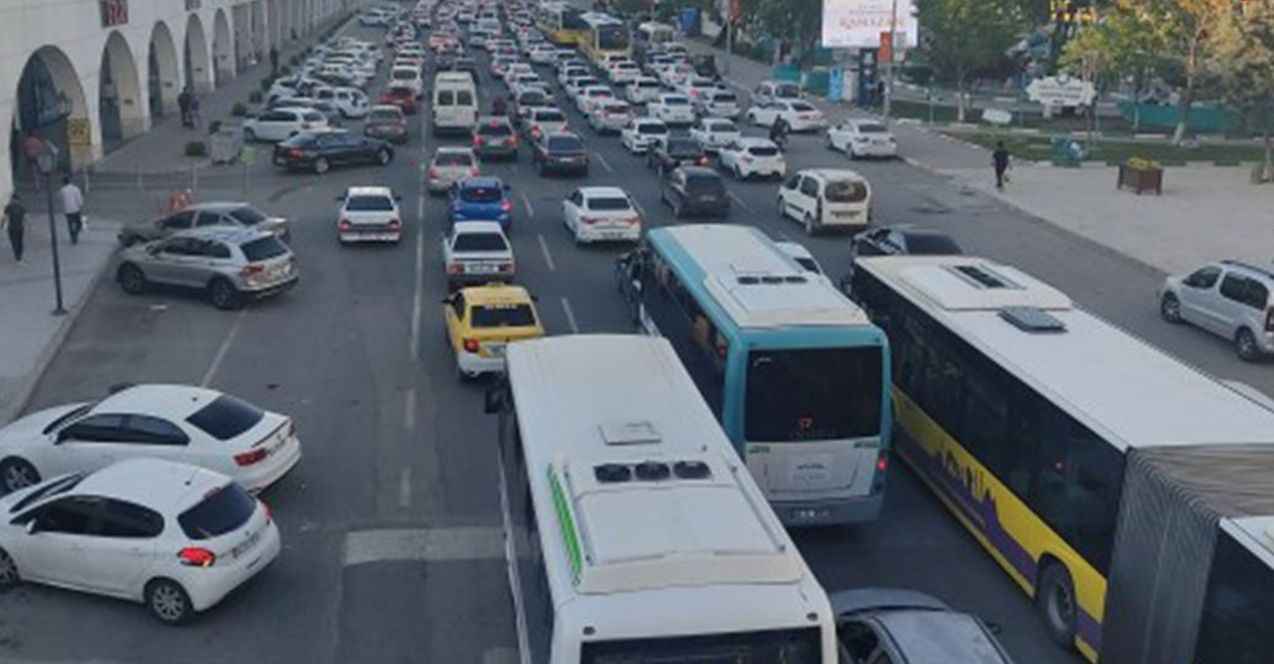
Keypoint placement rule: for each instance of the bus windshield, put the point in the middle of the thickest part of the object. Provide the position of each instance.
(612, 37)
(573, 19)
(813, 394)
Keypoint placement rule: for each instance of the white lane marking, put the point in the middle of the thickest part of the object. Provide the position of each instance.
(526, 203)
(570, 315)
(409, 409)
(404, 488)
(425, 545)
(739, 201)
(414, 351)
(548, 257)
(223, 349)
(605, 164)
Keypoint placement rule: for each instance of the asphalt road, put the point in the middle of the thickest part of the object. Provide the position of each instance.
(390, 525)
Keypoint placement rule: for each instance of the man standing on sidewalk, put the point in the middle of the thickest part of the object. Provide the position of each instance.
(183, 103)
(1000, 161)
(14, 221)
(72, 206)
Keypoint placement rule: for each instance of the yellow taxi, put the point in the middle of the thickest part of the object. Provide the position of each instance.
(482, 320)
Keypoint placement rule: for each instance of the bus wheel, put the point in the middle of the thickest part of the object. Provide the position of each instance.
(1055, 598)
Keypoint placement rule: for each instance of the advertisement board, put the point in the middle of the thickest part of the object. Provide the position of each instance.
(858, 23)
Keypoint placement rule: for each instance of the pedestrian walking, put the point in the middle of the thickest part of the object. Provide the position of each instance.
(196, 119)
(14, 222)
(274, 61)
(183, 103)
(1000, 161)
(72, 207)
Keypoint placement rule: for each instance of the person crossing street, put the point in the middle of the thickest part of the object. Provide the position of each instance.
(14, 223)
(72, 206)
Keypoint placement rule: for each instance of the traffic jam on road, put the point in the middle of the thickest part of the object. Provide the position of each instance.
(475, 122)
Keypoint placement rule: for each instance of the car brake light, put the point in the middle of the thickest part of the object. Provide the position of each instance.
(506, 267)
(249, 458)
(250, 270)
(473, 171)
(477, 140)
(193, 556)
(882, 462)
(703, 161)
(296, 153)
(588, 221)
(394, 223)
(433, 172)
(344, 225)
(471, 345)
(506, 205)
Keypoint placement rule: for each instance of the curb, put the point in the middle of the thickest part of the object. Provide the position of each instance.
(22, 398)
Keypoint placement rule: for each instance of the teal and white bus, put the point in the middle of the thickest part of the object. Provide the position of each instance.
(795, 372)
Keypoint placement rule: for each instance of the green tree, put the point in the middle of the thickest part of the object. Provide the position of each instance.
(965, 36)
(1184, 28)
(1121, 46)
(798, 22)
(1242, 59)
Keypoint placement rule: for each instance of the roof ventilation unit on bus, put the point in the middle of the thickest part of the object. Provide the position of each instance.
(770, 279)
(984, 276)
(640, 432)
(1032, 319)
(691, 470)
(612, 473)
(652, 471)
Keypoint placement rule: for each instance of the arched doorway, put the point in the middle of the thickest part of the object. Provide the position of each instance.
(222, 47)
(198, 65)
(163, 74)
(121, 113)
(52, 106)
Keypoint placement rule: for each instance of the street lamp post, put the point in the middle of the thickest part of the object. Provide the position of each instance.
(47, 162)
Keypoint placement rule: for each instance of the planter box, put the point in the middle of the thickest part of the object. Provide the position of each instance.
(1139, 180)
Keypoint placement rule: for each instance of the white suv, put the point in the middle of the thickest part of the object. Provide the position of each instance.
(749, 157)
(642, 133)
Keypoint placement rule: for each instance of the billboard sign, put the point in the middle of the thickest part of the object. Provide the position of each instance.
(1061, 91)
(859, 23)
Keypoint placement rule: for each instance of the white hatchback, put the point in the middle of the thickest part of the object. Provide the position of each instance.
(369, 214)
(713, 133)
(596, 214)
(747, 157)
(173, 536)
(672, 109)
(178, 423)
(862, 138)
(611, 115)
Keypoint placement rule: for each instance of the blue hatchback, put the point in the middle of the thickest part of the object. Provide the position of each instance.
(481, 199)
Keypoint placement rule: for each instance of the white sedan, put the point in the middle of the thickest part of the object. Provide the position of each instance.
(595, 214)
(672, 109)
(799, 115)
(173, 536)
(175, 422)
(713, 134)
(642, 133)
(862, 138)
(592, 96)
(749, 157)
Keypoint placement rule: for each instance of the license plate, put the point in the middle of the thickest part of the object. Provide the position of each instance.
(495, 350)
(479, 268)
(845, 214)
(247, 544)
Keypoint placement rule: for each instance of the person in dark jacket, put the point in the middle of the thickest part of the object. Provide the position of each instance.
(14, 222)
(778, 131)
(1000, 161)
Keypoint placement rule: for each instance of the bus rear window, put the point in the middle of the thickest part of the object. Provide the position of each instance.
(794, 646)
(813, 394)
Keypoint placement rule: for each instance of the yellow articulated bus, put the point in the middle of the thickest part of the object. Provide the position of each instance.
(561, 23)
(1127, 492)
(604, 37)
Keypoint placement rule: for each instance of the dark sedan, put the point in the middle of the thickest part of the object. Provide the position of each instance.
(695, 190)
(559, 152)
(203, 215)
(675, 151)
(320, 151)
(898, 240)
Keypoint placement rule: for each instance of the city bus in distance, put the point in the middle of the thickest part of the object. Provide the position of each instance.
(561, 23)
(604, 37)
(795, 372)
(651, 34)
(1127, 492)
(633, 533)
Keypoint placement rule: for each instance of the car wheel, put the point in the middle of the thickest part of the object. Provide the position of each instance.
(321, 165)
(249, 136)
(168, 602)
(1170, 308)
(18, 474)
(223, 294)
(1055, 598)
(809, 224)
(131, 279)
(781, 208)
(383, 157)
(849, 150)
(9, 576)
(1245, 345)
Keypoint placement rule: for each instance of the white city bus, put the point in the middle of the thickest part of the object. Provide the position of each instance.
(635, 534)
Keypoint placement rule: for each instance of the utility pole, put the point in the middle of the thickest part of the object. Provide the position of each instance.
(889, 64)
(729, 40)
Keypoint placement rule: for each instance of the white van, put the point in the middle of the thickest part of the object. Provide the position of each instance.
(455, 102)
(408, 77)
(821, 198)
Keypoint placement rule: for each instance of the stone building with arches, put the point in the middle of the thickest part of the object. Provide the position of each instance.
(88, 74)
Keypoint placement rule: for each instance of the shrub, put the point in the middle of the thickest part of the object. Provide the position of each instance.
(196, 149)
(255, 97)
(240, 109)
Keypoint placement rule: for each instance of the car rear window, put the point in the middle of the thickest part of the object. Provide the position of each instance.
(763, 151)
(508, 315)
(722, 127)
(480, 242)
(480, 194)
(532, 98)
(801, 106)
(400, 91)
(705, 183)
(453, 159)
(247, 215)
(311, 116)
(608, 203)
(369, 204)
(676, 101)
(222, 511)
(682, 146)
(652, 128)
(263, 249)
(565, 144)
(724, 98)
(845, 191)
(226, 417)
(871, 128)
(495, 129)
(403, 75)
(550, 116)
(384, 116)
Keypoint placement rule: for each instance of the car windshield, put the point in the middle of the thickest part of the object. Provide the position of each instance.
(705, 184)
(932, 244)
(845, 191)
(376, 203)
(384, 116)
(453, 159)
(226, 417)
(872, 128)
(763, 151)
(681, 147)
(565, 144)
(532, 98)
(247, 215)
(676, 101)
(651, 128)
(502, 315)
(222, 511)
(484, 241)
(481, 194)
(608, 203)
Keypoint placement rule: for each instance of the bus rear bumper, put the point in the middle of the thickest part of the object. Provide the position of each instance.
(805, 513)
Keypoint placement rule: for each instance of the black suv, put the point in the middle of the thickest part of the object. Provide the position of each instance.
(675, 151)
(561, 152)
(696, 190)
(320, 150)
(898, 240)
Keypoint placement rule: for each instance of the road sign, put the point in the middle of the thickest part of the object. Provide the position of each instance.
(997, 116)
(1061, 91)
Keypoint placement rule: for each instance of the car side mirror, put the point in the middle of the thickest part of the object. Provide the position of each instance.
(33, 526)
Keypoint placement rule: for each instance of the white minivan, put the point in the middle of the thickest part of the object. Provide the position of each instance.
(408, 77)
(821, 198)
(455, 102)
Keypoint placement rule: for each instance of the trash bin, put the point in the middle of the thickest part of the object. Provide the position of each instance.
(225, 146)
(1068, 151)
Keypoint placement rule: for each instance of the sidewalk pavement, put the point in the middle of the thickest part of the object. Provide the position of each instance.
(30, 333)
(1206, 213)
